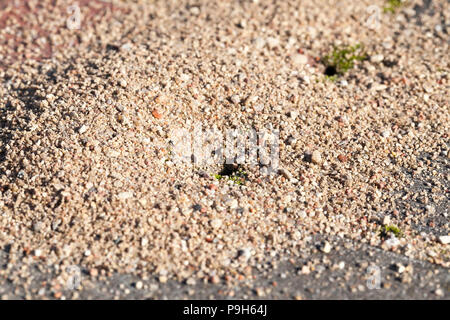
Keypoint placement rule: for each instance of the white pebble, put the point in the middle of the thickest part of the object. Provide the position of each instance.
(316, 157)
(400, 268)
(392, 242)
(195, 11)
(272, 42)
(83, 129)
(444, 239)
(343, 83)
(125, 195)
(299, 59)
(246, 253)
(379, 87)
(306, 79)
(293, 114)
(216, 223)
(232, 203)
(439, 292)
(235, 99)
(185, 77)
(259, 43)
(326, 247)
(144, 242)
(285, 173)
(386, 133)
(376, 58)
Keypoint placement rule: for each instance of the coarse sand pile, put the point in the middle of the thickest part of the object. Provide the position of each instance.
(87, 176)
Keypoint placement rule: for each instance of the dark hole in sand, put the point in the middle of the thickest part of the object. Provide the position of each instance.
(307, 157)
(229, 169)
(330, 71)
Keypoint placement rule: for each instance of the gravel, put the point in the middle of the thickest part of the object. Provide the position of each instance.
(87, 159)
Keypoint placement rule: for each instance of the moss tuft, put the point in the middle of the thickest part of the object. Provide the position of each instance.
(342, 59)
(386, 231)
(392, 6)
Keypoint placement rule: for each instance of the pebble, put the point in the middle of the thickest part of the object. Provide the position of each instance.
(232, 203)
(305, 270)
(316, 157)
(342, 158)
(142, 202)
(285, 173)
(379, 87)
(291, 141)
(185, 77)
(260, 292)
(272, 42)
(293, 114)
(144, 242)
(215, 279)
(156, 114)
(123, 83)
(216, 223)
(439, 292)
(245, 253)
(392, 242)
(376, 58)
(83, 129)
(195, 11)
(235, 99)
(343, 83)
(386, 133)
(126, 46)
(125, 195)
(306, 79)
(400, 268)
(259, 43)
(299, 59)
(444, 239)
(37, 226)
(326, 248)
(242, 24)
(93, 272)
(55, 224)
(139, 285)
(430, 209)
